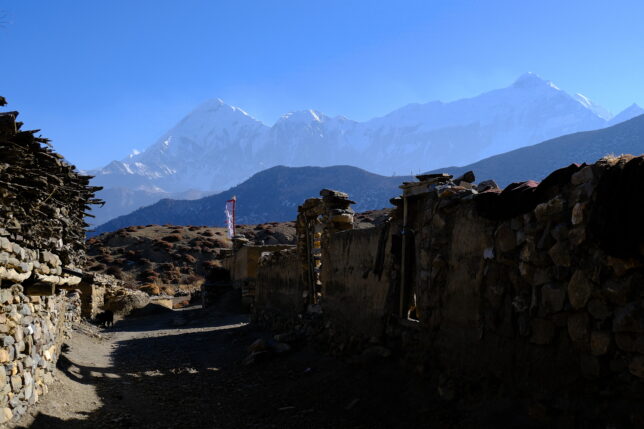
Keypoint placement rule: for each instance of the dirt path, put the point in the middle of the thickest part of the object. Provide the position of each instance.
(182, 369)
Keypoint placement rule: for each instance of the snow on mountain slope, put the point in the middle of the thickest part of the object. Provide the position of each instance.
(218, 146)
(435, 134)
(195, 153)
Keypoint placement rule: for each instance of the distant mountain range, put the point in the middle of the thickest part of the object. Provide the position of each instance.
(269, 196)
(537, 161)
(274, 194)
(218, 146)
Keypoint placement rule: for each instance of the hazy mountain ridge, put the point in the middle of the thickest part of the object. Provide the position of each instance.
(218, 146)
(271, 195)
(537, 161)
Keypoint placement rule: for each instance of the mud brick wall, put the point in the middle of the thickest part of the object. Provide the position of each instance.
(43, 201)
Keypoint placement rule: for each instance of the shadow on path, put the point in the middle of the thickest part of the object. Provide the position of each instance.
(190, 376)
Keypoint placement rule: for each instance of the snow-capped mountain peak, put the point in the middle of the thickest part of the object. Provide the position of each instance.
(303, 116)
(532, 80)
(593, 107)
(217, 145)
(629, 113)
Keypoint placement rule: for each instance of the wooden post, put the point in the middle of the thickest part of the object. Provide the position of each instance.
(403, 286)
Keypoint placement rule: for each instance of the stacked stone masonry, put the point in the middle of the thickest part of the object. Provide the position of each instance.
(539, 285)
(43, 201)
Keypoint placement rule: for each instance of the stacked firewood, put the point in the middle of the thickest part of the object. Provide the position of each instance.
(43, 199)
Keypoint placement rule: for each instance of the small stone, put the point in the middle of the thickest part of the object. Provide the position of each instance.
(29, 385)
(505, 238)
(377, 351)
(582, 176)
(598, 309)
(552, 298)
(488, 253)
(467, 177)
(4, 355)
(543, 331)
(638, 345)
(286, 337)
(8, 340)
(487, 185)
(280, 347)
(577, 235)
(560, 232)
(577, 216)
(622, 266)
(590, 366)
(579, 289)
(629, 318)
(541, 276)
(560, 255)
(258, 345)
(255, 357)
(551, 208)
(624, 341)
(16, 383)
(578, 327)
(636, 367)
(25, 310)
(5, 415)
(599, 342)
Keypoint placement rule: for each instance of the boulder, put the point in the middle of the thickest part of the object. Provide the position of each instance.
(579, 290)
(124, 304)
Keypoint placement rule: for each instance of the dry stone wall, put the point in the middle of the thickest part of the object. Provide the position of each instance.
(43, 201)
(539, 286)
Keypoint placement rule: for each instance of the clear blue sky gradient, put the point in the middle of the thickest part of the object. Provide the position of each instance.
(103, 77)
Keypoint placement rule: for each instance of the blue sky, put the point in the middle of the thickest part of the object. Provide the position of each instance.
(103, 77)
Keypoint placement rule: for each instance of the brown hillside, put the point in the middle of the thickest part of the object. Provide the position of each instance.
(169, 259)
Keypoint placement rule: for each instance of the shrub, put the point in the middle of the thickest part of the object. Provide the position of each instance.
(114, 271)
(133, 254)
(172, 238)
(168, 290)
(97, 267)
(151, 289)
(163, 245)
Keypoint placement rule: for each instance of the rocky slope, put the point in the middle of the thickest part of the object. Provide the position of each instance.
(169, 259)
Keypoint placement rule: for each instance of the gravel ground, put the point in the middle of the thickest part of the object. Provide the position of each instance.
(183, 369)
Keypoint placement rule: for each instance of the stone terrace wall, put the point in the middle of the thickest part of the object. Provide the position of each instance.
(42, 205)
(538, 286)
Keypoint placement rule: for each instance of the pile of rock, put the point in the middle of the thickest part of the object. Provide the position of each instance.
(338, 214)
(316, 219)
(43, 199)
